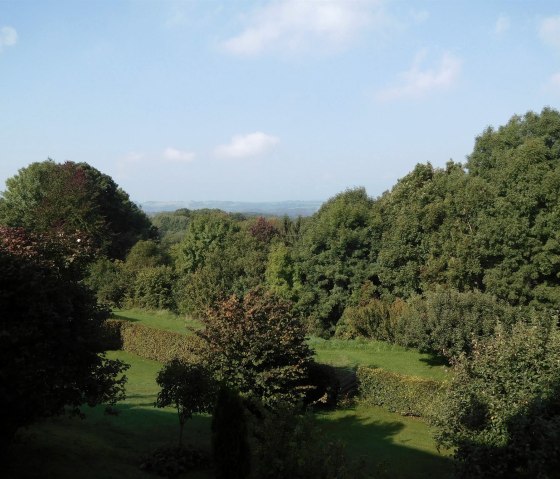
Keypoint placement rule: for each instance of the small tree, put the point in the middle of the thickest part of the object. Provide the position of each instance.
(188, 387)
(502, 414)
(258, 347)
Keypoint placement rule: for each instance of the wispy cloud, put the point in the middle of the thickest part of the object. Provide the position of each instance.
(553, 83)
(502, 25)
(244, 146)
(8, 37)
(178, 156)
(419, 81)
(549, 31)
(293, 25)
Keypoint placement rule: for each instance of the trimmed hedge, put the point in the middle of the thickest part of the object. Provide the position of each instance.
(149, 343)
(406, 395)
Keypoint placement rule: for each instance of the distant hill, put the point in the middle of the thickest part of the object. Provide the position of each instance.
(272, 208)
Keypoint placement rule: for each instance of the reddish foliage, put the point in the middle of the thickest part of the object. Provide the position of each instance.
(263, 230)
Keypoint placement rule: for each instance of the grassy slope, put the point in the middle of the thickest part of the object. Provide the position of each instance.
(352, 353)
(102, 446)
(158, 319)
(340, 353)
(110, 447)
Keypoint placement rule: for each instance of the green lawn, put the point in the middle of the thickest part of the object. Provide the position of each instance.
(110, 447)
(340, 353)
(391, 446)
(353, 353)
(159, 319)
(102, 446)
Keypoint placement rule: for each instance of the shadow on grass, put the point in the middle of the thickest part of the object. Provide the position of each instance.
(388, 448)
(435, 361)
(101, 446)
(124, 317)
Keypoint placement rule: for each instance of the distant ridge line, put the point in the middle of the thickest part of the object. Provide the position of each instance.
(291, 208)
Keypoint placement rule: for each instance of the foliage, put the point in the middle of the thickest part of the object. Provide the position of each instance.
(289, 445)
(72, 197)
(374, 319)
(263, 230)
(217, 258)
(153, 288)
(257, 346)
(149, 343)
(232, 455)
(502, 413)
(109, 280)
(407, 395)
(171, 462)
(50, 334)
(189, 387)
(447, 322)
(334, 257)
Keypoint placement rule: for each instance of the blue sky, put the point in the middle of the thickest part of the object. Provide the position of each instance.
(266, 100)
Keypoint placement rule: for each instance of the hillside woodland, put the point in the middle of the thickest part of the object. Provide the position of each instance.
(462, 262)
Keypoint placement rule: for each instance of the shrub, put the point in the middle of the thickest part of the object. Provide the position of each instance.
(171, 462)
(150, 343)
(502, 414)
(446, 321)
(375, 319)
(153, 288)
(406, 395)
(258, 347)
(287, 445)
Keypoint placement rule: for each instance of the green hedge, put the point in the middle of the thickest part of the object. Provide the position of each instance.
(406, 395)
(149, 343)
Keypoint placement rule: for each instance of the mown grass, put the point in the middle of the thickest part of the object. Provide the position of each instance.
(102, 446)
(390, 445)
(159, 319)
(355, 352)
(337, 352)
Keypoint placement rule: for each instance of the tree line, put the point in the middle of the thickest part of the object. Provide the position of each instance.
(461, 261)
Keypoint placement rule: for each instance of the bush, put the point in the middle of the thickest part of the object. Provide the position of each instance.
(406, 395)
(172, 461)
(256, 346)
(287, 445)
(502, 414)
(374, 319)
(446, 322)
(150, 343)
(153, 288)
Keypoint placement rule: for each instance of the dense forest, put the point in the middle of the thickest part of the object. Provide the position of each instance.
(462, 262)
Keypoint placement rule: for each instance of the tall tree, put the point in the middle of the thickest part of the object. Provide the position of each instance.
(70, 197)
(51, 357)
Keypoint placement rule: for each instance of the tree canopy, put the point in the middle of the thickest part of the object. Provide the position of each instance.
(70, 197)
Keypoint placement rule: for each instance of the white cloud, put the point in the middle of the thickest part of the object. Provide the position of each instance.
(243, 146)
(178, 156)
(419, 81)
(549, 31)
(502, 25)
(8, 37)
(553, 83)
(293, 25)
